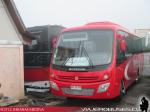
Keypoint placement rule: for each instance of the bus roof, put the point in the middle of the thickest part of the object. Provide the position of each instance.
(98, 25)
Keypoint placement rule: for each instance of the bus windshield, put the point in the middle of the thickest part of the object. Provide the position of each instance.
(84, 48)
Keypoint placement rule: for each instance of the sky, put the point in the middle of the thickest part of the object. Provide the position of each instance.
(131, 14)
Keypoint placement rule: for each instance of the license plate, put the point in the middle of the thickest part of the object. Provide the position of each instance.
(75, 88)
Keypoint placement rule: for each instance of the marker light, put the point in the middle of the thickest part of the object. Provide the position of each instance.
(103, 87)
(106, 76)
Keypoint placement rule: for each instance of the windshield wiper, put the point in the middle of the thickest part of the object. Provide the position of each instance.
(64, 63)
(81, 49)
(87, 56)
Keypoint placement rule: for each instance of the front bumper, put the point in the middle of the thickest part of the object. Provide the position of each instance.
(37, 86)
(89, 90)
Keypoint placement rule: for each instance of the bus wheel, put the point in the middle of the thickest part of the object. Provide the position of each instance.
(122, 92)
(138, 75)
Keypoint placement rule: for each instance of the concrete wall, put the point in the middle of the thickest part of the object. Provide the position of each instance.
(8, 31)
(11, 57)
(11, 71)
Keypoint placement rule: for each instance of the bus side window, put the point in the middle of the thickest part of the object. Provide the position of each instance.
(129, 45)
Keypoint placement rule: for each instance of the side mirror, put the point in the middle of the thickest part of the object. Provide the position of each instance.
(123, 45)
(119, 36)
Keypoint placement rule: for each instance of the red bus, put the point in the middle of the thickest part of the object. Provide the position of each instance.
(37, 57)
(94, 61)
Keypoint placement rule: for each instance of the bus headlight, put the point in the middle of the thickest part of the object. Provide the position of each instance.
(103, 87)
(54, 85)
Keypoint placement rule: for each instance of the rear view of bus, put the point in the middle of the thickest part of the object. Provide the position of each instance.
(85, 63)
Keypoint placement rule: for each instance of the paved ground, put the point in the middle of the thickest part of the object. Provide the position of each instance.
(131, 99)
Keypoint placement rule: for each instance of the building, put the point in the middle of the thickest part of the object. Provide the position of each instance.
(13, 35)
(145, 33)
(142, 32)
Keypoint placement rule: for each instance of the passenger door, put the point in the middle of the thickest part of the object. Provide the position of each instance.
(124, 61)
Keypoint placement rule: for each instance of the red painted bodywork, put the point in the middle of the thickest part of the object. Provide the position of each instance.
(36, 74)
(93, 79)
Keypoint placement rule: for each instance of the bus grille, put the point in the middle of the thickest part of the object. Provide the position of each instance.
(85, 92)
(79, 78)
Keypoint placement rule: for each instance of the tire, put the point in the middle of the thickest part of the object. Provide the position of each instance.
(122, 92)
